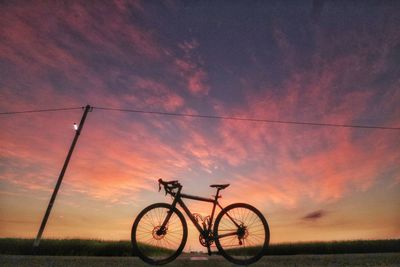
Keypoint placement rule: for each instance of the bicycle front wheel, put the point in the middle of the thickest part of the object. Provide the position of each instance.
(153, 244)
(241, 234)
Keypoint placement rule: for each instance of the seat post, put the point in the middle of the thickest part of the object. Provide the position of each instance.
(217, 194)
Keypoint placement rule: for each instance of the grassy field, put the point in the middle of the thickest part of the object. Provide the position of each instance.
(79, 247)
(378, 259)
(336, 247)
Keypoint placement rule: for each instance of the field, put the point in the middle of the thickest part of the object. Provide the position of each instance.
(376, 259)
(77, 252)
(79, 247)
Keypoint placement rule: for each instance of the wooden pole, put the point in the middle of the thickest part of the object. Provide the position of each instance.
(60, 178)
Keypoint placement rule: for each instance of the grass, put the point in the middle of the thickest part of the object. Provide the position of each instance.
(333, 247)
(65, 247)
(80, 247)
(336, 247)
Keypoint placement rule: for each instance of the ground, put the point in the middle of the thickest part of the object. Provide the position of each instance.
(373, 259)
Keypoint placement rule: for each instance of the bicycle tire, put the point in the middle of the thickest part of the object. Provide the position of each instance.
(139, 249)
(235, 255)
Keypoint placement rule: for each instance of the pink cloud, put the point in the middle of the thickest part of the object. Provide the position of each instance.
(107, 32)
(197, 83)
(111, 160)
(188, 46)
(157, 95)
(191, 70)
(184, 66)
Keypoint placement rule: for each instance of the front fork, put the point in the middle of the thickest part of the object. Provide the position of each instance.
(169, 214)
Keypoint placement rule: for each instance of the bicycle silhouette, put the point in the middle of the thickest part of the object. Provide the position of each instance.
(159, 233)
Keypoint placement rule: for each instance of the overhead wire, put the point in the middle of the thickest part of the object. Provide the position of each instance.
(248, 119)
(39, 110)
(234, 118)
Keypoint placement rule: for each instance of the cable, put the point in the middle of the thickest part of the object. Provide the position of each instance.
(38, 110)
(248, 119)
(208, 117)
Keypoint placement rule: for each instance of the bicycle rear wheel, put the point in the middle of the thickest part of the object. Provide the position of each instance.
(241, 234)
(155, 245)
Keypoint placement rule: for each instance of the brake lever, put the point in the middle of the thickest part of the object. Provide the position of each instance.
(159, 188)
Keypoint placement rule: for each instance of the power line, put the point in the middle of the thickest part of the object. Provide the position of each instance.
(248, 119)
(209, 117)
(39, 110)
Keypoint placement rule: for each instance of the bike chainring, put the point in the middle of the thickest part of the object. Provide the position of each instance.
(206, 242)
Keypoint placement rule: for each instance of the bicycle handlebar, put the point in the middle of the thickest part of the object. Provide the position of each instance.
(168, 186)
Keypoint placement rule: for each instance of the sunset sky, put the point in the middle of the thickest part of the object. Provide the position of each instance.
(324, 62)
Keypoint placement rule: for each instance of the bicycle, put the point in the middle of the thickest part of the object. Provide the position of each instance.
(159, 233)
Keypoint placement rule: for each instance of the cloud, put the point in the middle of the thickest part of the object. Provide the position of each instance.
(152, 94)
(190, 68)
(17, 221)
(197, 83)
(294, 163)
(315, 215)
(189, 46)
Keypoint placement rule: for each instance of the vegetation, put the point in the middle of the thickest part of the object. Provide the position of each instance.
(79, 247)
(333, 247)
(65, 247)
(336, 247)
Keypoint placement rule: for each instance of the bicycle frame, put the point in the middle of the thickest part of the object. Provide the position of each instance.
(204, 232)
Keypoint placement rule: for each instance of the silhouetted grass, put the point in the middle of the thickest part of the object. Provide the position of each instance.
(337, 247)
(70, 247)
(80, 247)
(333, 247)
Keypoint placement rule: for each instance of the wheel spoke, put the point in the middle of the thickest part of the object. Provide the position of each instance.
(153, 243)
(249, 239)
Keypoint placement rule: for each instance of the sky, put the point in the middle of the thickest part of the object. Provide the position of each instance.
(311, 61)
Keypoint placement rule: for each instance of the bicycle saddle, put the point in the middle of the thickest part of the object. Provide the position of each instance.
(220, 186)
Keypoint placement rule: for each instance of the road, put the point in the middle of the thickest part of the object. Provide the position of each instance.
(378, 259)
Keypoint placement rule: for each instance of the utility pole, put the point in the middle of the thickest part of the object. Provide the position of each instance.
(60, 177)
